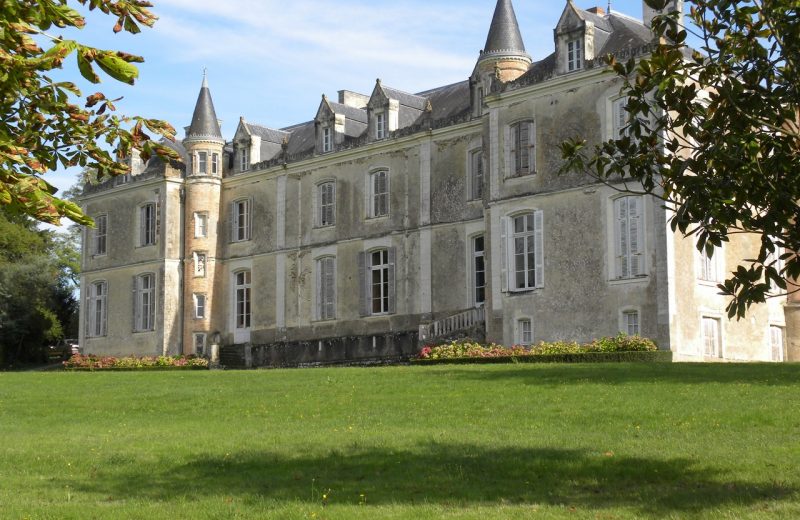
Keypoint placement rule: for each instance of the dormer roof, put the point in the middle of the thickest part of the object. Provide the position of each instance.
(205, 125)
(505, 38)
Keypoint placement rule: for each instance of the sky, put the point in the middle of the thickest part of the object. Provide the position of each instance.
(270, 61)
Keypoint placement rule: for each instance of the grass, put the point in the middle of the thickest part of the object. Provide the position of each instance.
(595, 441)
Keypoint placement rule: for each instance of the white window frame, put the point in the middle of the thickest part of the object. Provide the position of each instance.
(100, 235)
(777, 342)
(326, 288)
(477, 177)
(381, 270)
(532, 241)
(380, 125)
(478, 267)
(145, 310)
(620, 118)
(148, 225)
(201, 224)
(518, 148)
(379, 201)
(97, 317)
(711, 336)
(523, 331)
(575, 54)
(630, 321)
(241, 218)
(326, 203)
(710, 269)
(200, 305)
(214, 163)
(629, 243)
(244, 157)
(327, 140)
(242, 299)
(202, 162)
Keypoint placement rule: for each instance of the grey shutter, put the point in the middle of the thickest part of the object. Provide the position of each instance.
(363, 285)
(505, 276)
(157, 217)
(234, 222)
(392, 280)
(531, 154)
(318, 311)
(330, 288)
(136, 311)
(620, 206)
(635, 228)
(538, 247)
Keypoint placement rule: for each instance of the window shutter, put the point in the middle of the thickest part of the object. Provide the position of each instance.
(332, 203)
(234, 222)
(363, 284)
(142, 225)
(635, 240)
(521, 144)
(620, 117)
(157, 226)
(538, 244)
(392, 280)
(330, 293)
(620, 210)
(531, 147)
(505, 226)
(136, 310)
(248, 219)
(318, 311)
(509, 142)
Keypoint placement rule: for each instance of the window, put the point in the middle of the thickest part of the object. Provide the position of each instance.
(241, 220)
(327, 144)
(199, 306)
(709, 269)
(202, 162)
(242, 299)
(478, 270)
(522, 160)
(199, 264)
(574, 55)
(620, 118)
(524, 251)
(200, 343)
(200, 225)
(524, 332)
(147, 224)
(712, 345)
(100, 233)
(379, 193)
(326, 288)
(630, 323)
(244, 158)
(215, 163)
(380, 125)
(476, 174)
(628, 237)
(145, 308)
(326, 201)
(96, 320)
(776, 342)
(377, 281)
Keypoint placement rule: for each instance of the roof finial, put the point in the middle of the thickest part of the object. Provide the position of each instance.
(205, 80)
(609, 7)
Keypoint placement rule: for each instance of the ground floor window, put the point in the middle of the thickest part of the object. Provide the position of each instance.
(776, 342)
(242, 299)
(630, 322)
(712, 341)
(524, 332)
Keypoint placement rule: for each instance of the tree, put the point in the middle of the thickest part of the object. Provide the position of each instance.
(42, 125)
(715, 134)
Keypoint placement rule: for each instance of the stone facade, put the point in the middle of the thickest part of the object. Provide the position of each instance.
(349, 235)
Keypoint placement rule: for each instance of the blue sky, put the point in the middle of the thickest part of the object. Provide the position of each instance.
(271, 61)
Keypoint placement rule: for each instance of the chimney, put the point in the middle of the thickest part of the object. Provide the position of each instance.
(597, 10)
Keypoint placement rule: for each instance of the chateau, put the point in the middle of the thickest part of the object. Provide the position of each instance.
(392, 218)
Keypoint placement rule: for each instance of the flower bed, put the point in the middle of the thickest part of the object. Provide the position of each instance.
(618, 348)
(92, 362)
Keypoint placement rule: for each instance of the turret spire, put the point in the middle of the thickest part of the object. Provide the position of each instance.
(205, 125)
(504, 37)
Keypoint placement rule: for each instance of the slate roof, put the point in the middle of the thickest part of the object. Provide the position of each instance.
(266, 134)
(356, 114)
(405, 99)
(205, 124)
(448, 101)
(504, 35)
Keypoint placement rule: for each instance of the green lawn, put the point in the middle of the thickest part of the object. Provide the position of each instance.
(598, 441)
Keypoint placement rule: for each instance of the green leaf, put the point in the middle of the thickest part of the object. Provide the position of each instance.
(118, 68)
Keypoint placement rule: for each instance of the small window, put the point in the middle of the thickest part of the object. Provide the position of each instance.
(326, 288)
(575, 54)
(478, 270)
(327, 142)
(379, 193)
(240, 220)
(199, 306)
(100, 234)
(326, 203)
(712, 342)
(629, 237)
(241, 297)
(96, 319)
(200, 260)
(476, 174)
(200, 225)
(709, 269)
(147, 224)
(524, 251)
(202, 162)
(215, 163)
(145, 310)
(380, 125)
(776, 342)
(244, 158)
(200, 344)
(522, 153)
(524, 332)
(630, 323)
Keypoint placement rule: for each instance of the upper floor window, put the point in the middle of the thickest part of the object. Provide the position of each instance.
(147, 224)
(244, 158)
(327, 142)
(525, 257)
(575, 54)
(379, 193)
(199, 306)
(524, 335)
(200, 225)
(326, 288)
(620, 117)
(630, 322)
(476, 174)
(202, 162)
(522, 148)
(97, 312)
(145, 308)
(709, 268)
(629, 237)
(377, 281)
(380, 125)
(199, 264)
(215, 163)
(240, 221)
(241, 298)
(100, 233)
(326, 204)
(478, 270)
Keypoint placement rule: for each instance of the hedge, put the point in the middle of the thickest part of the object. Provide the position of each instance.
(659, 356)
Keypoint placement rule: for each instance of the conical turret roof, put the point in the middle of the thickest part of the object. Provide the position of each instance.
(504, 37)
(205, 124)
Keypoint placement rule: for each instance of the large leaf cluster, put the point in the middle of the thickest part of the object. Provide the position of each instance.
(715, 133)
(44, 124)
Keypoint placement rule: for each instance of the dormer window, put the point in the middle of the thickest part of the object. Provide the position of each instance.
(380, 125)
(244, 159)
(575, 55)
(327, 142)
(214, 163)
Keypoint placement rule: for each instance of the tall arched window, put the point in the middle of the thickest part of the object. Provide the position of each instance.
(96, 319)
(241, 297)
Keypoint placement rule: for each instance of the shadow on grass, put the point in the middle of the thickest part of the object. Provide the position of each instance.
(768, 374)
(443, 474)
